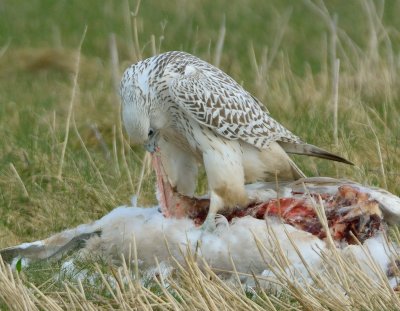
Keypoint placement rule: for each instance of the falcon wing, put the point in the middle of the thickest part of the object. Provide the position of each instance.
(216, 100)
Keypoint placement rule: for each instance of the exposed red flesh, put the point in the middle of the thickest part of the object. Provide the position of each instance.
(350, 212)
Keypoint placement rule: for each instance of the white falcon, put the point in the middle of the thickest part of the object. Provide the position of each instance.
(194, 112)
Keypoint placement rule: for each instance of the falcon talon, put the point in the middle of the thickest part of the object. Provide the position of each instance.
(209, 225)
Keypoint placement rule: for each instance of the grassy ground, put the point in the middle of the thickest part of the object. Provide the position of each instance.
(63, 156)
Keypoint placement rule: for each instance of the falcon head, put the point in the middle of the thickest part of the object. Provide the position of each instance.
(137, 125)
(136, 112)
(139, 130)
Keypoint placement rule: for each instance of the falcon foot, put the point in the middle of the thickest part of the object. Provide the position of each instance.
(209, 224)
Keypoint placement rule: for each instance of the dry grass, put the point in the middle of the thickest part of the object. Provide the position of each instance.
(341, 285)
(352, 109)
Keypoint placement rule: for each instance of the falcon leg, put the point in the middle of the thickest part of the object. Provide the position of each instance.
(216, 204)
(180, 167)
(225, 174)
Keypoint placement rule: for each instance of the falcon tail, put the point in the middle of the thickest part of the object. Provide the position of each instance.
(311, 150)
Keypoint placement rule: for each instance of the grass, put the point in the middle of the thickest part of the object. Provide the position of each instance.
(282, 51)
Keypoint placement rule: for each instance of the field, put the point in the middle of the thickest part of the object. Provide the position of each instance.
(330, 72)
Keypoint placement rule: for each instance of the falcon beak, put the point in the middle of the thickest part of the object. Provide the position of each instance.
(151, 145)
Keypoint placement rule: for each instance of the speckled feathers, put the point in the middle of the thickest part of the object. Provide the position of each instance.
(178, 80)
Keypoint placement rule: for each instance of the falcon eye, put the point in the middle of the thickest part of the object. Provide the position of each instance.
(151, 132)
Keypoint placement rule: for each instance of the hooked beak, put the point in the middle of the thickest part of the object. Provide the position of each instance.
(151, 145)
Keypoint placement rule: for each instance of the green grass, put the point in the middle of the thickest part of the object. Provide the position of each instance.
(40, 39)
